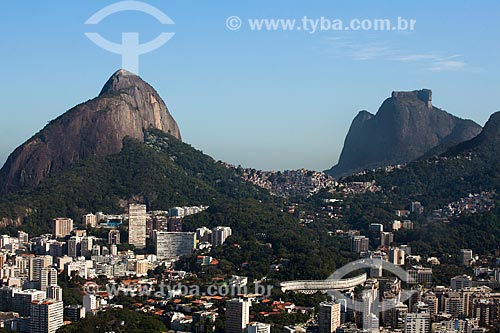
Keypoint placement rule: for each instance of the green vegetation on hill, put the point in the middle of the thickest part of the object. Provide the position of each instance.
(470, 167)
(164, 172)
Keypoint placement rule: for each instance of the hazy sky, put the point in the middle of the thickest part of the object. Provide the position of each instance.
(263, 99)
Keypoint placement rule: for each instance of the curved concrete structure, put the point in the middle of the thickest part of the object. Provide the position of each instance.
(315, 285)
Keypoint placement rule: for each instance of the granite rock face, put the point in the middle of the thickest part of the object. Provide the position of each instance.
(405, 127)
(126, 106)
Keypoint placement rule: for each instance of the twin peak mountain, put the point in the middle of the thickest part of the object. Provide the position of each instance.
(406, 127)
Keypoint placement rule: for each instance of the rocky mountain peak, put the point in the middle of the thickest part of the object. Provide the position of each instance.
(126, 107)
(123, 81)
(405, 128)
(424, 95)
(492, 126)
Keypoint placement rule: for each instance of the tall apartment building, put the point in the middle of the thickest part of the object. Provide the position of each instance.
(486, 311)
(23, 265)
(6, 297)
(176, 211)
(54, 292)
(113, 250)
(48, 277)
(397, 256)
(62, 227)
(386, 238)
(114, 237)
(170, 245)
(203, 235)
(86, 246)
(96, 250)
(220, 234)
(160, 222)
(453, 304)
(329, 317)
(432, 302)
(175, 224)
(90, 220)
(237, 315)
(359, 244)
(74, 246)
(376, 227)
(56, 249)
(36, 264)
(417, 323)
(142, 267)
(466, 256)
(137, 225)
(46, 316)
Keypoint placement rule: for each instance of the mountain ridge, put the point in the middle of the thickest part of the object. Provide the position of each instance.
(468, 167)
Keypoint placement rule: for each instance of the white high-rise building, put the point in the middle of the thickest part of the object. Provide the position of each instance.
(397, 256)
(86, 246)
(90, 220)
(36, 264)
(22, 264)
(46, 316)
(170, 245)
(137, 225)
(417, 323)
(114, 237)
(113, 250)
(220, 234)
(48, 277)
(237, 315)
(329, 317)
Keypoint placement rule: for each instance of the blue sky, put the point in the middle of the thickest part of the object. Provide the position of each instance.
(263, 99)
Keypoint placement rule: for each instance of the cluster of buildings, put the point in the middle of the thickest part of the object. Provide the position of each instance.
(385, 303)
(290, 183)
(354, 188)
(467, 305)
(31, 299)
(472, 204)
